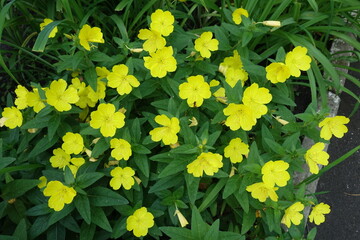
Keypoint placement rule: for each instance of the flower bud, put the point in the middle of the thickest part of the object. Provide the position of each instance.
(272, 23)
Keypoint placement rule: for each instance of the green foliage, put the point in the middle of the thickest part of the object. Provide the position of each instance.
(217, 204)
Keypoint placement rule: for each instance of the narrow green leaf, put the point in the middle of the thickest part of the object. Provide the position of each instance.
(99, 218)
(87, 179)
(82, 204)
(17, 188)
(87, 231)
(101, 197)
(20, 230)
(43, 37)
(91, 77)
(100, 147)
(248, 221)
(177, 233)
(143, 164)
(212, 194)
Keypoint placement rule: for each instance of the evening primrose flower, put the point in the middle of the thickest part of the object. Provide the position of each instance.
(61, 97)
(235, 150)
(60, 158)
(59, 195)
(220, 95)
(277, 72)
(11, 118)
(205, 43)
(297, 60)
(238, 13)
(333, 126)
(154, 40)
(161, 62)
(34, 100)
(231, 62)
(99, 94)
(233, 75)
(256, 98)
(293, 215)
(107, 119)
(274, 172)
(75, 164)
(121, 149)
(315, 155)
(21, 100)
(83, 93)
(210, 163)
(140, 222)
(317, 214)
(45, 23)
(122, 177)
(262, 191)
(162, 22)
(239, 116)
(195, 90)
(120, 79)
(88, 35)
(167, 133)
(73, 143)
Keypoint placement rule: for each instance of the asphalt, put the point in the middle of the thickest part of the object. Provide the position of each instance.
(343, 181)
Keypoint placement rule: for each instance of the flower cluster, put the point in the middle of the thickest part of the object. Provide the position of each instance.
(295, 60)
(232, 69)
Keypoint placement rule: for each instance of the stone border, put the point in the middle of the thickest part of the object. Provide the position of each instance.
(334, 102)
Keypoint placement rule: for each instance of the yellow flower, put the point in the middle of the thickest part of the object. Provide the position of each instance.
(102, 72)
(60, 97)
(60, 158)
(45, 23)
(256, 98)
(11, 118)
(21, 100)
(274, 172)
(235, 150)
(315, 155)
(236, 15)
(167, 133)
(73, 143)
(262, 191)
(209, 163)
(162, 22)
(34, 100)
(231, 62)
(317, 214)
(232, 76)
(297, 60)
(154, 40)
(293, 215)
(83, 93)
(239, 116)
(88, 35)
(195, 90)
(99, 94)
(333, 126)
(75, 164)
(161, 62)
(107, 119)
(59, 195)
(277, 72)
(121, 149)
(43, 182)
(214, 83)
(122, 176)
(120, 79)
(204, 44)
(140, 222)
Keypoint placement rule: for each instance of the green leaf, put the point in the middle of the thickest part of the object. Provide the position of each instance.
(166, 183)
(20, 231)
(177, 233)
(101, 197)
(17, 188)
(58, 215)
(39, 226)
(119, 229)
(56, 232)
(248, 221)
(198, 226)
(5, 161)
(213, 232)
(138, 148)
(91, 78)
(38, 210)
(212, 194)
(246, 38)
(99, 218)
(142, 162)
(172, 168)
(54, 123)
(243, 200)
(82, 204)
(68, 176)
(232, 185)
(43, 37)
(87, 179)
(312, 234)
(192, 186)
(100, 147)
(313, 5)
(41, 146)
(87, 231)
(274, 146)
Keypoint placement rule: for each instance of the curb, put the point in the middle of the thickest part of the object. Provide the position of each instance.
(334, 102)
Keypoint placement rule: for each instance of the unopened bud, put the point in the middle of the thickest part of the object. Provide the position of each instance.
(136, 50)
(282, 121)
(272, 23)
(32, 130)
(182, 219)
(95, 140)
(138, 180)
